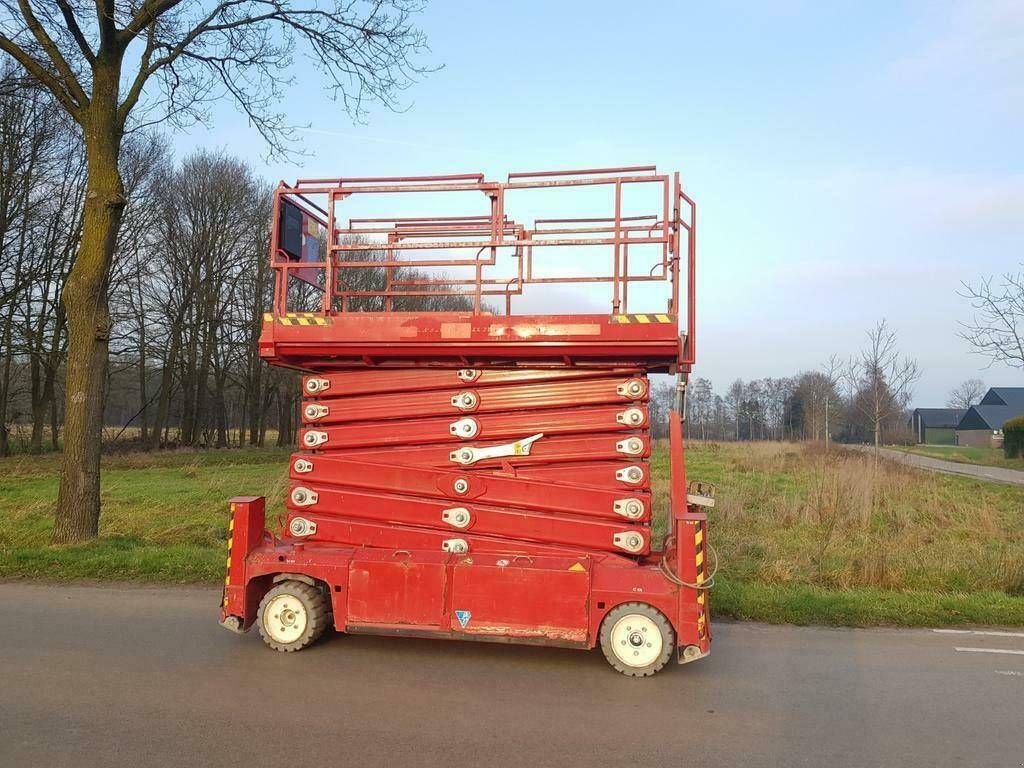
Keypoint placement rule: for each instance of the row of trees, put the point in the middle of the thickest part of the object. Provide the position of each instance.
(41, 194)
(862, 399)
(188, 286)
(190, 281)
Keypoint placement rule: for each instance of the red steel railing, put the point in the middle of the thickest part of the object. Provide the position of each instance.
(414, 256)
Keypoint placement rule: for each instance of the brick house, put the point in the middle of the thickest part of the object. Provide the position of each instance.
(982, 424)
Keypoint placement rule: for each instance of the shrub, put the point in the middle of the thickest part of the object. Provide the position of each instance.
(1013, 438)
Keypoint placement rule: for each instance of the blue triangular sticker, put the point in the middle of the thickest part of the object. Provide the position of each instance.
(463, 617)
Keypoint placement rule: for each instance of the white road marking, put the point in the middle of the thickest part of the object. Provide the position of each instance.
(989, 650)
(1009, 672)
(978, 632)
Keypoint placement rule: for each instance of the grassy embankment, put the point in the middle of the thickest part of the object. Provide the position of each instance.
(966, 454)
(803, 537)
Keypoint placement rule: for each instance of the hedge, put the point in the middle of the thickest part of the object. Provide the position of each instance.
(1013, 438)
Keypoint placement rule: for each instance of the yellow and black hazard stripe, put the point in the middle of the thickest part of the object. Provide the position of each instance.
(698, 548)
(231, 541)
(297, 318)
(642, 319)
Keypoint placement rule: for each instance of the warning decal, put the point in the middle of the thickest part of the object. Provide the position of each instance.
(463, 617)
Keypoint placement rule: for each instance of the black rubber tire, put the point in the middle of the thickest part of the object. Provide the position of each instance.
(668, 638)
(314, 603)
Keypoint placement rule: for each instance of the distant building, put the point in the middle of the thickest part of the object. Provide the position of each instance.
(935, 426)
(982, 424)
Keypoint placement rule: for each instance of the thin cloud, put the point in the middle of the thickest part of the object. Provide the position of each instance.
(980, 41)
(958, 202)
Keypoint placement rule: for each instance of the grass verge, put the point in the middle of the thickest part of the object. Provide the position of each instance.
(862, 606)
(965, 454)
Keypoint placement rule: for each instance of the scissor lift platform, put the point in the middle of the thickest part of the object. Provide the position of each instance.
(324, 342)
(465, 470)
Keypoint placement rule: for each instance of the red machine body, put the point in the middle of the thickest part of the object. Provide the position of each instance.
(462, 472)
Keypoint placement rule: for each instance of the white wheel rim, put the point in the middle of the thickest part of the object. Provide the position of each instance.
(636, 640)
(285, 619)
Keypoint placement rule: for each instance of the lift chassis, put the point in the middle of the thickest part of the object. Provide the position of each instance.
(470, 473)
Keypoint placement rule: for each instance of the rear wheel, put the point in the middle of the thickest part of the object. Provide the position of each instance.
(637, 639)
(292, 615)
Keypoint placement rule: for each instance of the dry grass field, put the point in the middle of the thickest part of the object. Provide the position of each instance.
(796, 513)
(805, 535)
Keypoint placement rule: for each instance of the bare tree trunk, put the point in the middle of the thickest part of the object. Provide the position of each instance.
(878, 433)
(143, 395)
(86, 304)
(189, 427)
(285, 417)
(6, 341)
(143, 400)
(268, 398)
(43, 371)
(38, 403)
(826, 423)
(54, 425)
(220, 402)
(252, 412)
(53, 361)
(207, 323)
(166, 382)
(5, 391)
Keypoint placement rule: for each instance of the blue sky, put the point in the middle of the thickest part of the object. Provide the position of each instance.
(852, 161)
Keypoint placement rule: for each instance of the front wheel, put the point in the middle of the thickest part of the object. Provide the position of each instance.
(292, 615)
(637, 639)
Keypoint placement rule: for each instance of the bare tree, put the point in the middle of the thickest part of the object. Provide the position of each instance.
(145, 159)
(211, 236)
(777, 393)
(662, 398)
(115, 65)
(811, 403)
(883, 380)
(701, 397)
(966, 394)
(832, 372)
(734, 402)
(997, 329)
(40, 195)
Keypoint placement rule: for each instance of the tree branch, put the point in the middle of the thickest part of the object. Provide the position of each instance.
(997, 329)
(76, 31)
(148, 67)
(149, 12)
(64, 70)
(44, 76)
(105, 21)
(135, 90)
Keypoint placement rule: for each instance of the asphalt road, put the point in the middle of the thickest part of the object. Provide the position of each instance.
(128, 676)
(995, 474)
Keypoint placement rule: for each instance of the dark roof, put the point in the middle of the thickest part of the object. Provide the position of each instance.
(999, 405)
(1009, 396)
(988, 416)
(938, 417)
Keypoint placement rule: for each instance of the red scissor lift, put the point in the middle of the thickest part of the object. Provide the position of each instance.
(467, 471)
